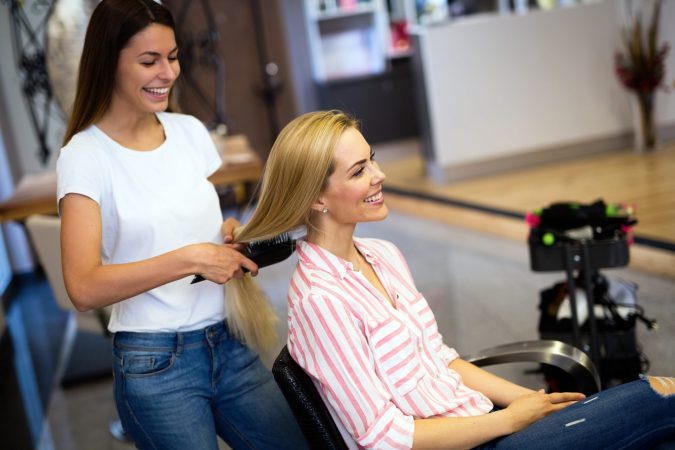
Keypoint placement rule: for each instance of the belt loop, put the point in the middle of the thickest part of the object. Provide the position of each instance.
(179, 343)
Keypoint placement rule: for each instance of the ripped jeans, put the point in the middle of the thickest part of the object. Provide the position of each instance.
(629, 416)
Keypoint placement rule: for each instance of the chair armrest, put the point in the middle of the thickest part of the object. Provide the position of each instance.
(554, 353)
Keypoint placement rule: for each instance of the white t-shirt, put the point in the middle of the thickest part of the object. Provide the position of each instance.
(152, 202)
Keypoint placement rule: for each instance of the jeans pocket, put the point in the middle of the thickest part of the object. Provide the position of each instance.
(147, 363)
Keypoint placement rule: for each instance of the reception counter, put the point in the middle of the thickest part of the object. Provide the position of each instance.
(502, 91)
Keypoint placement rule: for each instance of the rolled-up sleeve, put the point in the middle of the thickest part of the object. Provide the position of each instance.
(327, 340)
(448, 354)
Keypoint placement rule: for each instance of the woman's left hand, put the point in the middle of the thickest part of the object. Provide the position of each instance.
(227, 230)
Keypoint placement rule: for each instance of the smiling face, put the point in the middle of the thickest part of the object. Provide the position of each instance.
(354, 190)
(146, 70)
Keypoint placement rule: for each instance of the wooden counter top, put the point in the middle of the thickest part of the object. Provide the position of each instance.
(36, 194)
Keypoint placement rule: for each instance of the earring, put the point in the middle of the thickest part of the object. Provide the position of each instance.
(324, 210)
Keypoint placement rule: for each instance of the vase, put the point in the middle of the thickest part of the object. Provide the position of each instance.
(644, 123)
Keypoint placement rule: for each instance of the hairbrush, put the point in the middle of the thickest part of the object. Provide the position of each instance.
(265, 252)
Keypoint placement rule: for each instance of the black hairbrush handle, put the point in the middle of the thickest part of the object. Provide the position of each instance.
(264, 253)
(199, 278)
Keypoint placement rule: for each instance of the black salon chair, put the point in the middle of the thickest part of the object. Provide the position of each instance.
(308, 408)
(321, 432)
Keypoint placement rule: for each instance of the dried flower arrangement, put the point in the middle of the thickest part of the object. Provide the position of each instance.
(641, 67)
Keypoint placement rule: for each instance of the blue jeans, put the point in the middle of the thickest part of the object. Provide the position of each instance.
(180, 390)
(630, 416)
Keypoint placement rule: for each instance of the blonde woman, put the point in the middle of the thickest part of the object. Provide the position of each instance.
(366, 336)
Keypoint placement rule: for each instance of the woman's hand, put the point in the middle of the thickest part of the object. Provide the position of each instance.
(529, 408)
(220, 263)
(227, 230)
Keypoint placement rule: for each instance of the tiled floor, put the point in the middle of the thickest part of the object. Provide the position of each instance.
(480, 288)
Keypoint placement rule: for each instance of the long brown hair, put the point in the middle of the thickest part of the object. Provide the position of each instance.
(112, 24)
(296, 173)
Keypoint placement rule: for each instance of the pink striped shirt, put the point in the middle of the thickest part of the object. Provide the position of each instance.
(377, 367)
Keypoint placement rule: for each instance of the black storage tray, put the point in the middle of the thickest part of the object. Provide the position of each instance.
(602, 254)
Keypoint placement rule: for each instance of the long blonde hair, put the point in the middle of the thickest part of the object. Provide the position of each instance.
(296, 172)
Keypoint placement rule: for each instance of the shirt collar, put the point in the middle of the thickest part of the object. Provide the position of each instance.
(322, 259)
(365, 251)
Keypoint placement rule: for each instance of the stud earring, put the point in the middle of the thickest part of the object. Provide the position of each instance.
(324, 210)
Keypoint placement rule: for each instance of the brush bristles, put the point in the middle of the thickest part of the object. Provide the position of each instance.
(283, 238)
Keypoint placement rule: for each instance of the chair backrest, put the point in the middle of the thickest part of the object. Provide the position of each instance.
(45, 235)
(307, 405)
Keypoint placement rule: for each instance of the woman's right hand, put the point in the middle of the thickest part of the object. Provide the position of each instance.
(220, 263)
(529, 408)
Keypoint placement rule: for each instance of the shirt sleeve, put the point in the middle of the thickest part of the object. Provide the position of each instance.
(79, 172)
(209, 152)
(327, 340)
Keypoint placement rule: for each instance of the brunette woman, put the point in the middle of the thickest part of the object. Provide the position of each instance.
(139, 219)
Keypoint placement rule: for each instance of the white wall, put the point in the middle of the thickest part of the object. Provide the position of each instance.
(665, 109)
(504, 85)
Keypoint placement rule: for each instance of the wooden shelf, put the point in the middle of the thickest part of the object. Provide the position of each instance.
(349, 41)
(345, 13)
